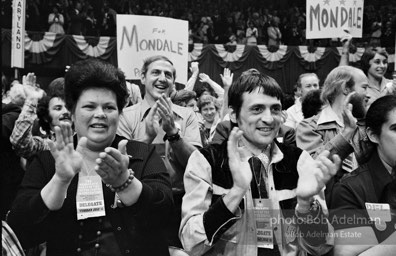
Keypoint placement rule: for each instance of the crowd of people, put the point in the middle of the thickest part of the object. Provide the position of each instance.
(222, 22)
(94, 166)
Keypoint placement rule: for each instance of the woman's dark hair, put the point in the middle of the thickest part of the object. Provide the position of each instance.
(94, 73)
(378, 113)
(368, 55)
(311, 103)
(248, 82)
(56, 89)
(205, 87)
(155, 58)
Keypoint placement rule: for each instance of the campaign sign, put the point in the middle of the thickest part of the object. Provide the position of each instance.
(329, 18)
(18, 34)
(140, 37)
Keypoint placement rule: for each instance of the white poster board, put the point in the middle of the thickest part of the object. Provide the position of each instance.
(18, 34)
(140, 37)
(329, 18)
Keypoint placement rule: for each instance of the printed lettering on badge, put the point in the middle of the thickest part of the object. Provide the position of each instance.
(89, 199)
(378, 212)
(262, 214)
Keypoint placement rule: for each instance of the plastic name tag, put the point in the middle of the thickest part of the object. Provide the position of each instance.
(262, 213)
(89, 199)
(378, 212)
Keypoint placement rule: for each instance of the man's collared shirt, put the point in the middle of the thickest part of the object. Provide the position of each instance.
(294, 114)
(132, 125)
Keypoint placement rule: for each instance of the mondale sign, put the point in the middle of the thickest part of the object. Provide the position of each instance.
(139, 37)
(329, 18)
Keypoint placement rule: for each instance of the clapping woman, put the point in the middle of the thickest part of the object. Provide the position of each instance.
(94, 193)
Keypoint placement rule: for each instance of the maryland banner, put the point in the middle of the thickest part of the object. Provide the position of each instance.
(49, 52)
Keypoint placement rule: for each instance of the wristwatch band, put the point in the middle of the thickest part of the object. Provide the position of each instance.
(172, 138)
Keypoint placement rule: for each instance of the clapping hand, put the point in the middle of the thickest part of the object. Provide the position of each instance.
(312, 180)
(350, 122)
(152, 123)
(68, 161)
(112, 165)
(166, 114)
(239, 166)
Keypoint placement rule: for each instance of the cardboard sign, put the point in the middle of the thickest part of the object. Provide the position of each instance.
(329, 18)
(140, 37)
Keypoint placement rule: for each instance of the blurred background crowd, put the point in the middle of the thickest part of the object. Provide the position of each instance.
(210, 21)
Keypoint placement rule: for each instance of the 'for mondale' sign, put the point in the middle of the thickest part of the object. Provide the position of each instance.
(140, 37)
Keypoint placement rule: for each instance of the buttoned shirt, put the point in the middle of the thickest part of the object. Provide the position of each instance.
(22, 139)
(354, 194)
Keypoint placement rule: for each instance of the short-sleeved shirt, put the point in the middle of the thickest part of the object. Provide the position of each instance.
(357, 193)
(132, 126)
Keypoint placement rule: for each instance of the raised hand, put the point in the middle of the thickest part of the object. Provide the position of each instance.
(33, 93)
(227, 78)
(194, 67)
(112, 165)
(348, 118)
(312, 180)
(29, 79)
(68, 161)
(239, 166)
(204, 78)
(346, 39)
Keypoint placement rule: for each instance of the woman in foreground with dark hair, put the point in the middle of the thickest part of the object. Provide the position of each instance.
(95, 193)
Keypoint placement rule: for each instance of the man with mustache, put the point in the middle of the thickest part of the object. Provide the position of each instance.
(171, 128)
(49, 109)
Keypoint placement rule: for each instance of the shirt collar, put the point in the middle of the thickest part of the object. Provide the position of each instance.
(382, 86)
(328, 115)
(145, 108)
(272, 151)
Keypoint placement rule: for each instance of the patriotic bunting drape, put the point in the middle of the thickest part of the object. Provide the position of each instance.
(284, 63)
